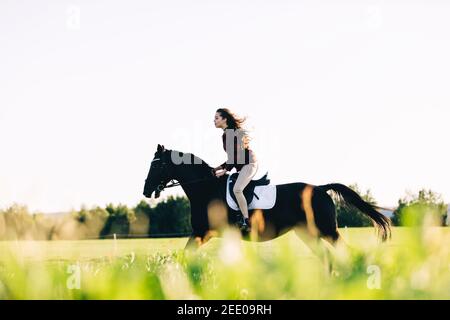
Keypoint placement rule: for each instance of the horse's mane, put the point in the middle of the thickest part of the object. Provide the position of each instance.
(197, 161)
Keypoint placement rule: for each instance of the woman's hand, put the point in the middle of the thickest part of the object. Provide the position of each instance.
(220, 172)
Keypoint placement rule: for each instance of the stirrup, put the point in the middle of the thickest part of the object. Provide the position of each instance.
(243, 223)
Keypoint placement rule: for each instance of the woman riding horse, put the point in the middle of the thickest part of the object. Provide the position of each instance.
(235, 142)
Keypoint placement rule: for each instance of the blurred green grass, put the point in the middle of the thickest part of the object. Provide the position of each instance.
(414, 264)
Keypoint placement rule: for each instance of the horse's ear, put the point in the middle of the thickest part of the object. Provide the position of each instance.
(160, 148)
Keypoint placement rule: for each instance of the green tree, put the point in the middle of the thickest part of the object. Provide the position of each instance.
(171, 216)
(118, 221)
(413, 208)
(18, 223)
(141, 226)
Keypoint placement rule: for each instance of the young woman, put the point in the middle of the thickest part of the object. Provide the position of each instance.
(235, 142)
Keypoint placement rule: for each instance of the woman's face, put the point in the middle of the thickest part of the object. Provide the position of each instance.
(220, 122)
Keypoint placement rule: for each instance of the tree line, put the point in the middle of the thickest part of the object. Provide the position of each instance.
(171, 217)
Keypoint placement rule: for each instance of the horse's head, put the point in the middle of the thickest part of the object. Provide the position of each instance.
(162, 170)
(159, 173)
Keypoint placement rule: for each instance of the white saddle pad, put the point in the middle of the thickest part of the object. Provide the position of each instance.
(267, 197)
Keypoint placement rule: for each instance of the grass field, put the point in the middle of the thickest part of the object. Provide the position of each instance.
(414, 264)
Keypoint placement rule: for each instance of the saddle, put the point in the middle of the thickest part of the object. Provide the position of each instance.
(258, 193)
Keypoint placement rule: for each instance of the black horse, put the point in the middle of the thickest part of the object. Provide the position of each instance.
(298, 206)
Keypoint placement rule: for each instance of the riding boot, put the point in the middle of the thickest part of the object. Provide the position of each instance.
(243, 223)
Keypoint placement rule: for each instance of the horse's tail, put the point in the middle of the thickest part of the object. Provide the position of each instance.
(381, 222)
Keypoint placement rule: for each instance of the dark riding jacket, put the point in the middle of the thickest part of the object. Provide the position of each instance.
(239, 152)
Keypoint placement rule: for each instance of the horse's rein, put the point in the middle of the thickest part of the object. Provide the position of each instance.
(176, 184)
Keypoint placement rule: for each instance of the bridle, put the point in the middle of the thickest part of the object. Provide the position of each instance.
(163, 184)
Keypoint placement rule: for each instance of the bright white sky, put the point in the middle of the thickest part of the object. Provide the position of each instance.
(351, 91)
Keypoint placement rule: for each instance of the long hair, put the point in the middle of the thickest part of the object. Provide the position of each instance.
(233, 121)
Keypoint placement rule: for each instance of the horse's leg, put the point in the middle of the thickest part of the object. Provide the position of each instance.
(325, 218)
(192, 243)
(333, 239)
(323, 212)
(314, 243)
(312, 230)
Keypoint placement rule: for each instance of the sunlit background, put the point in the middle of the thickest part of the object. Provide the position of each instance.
(355, 91)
